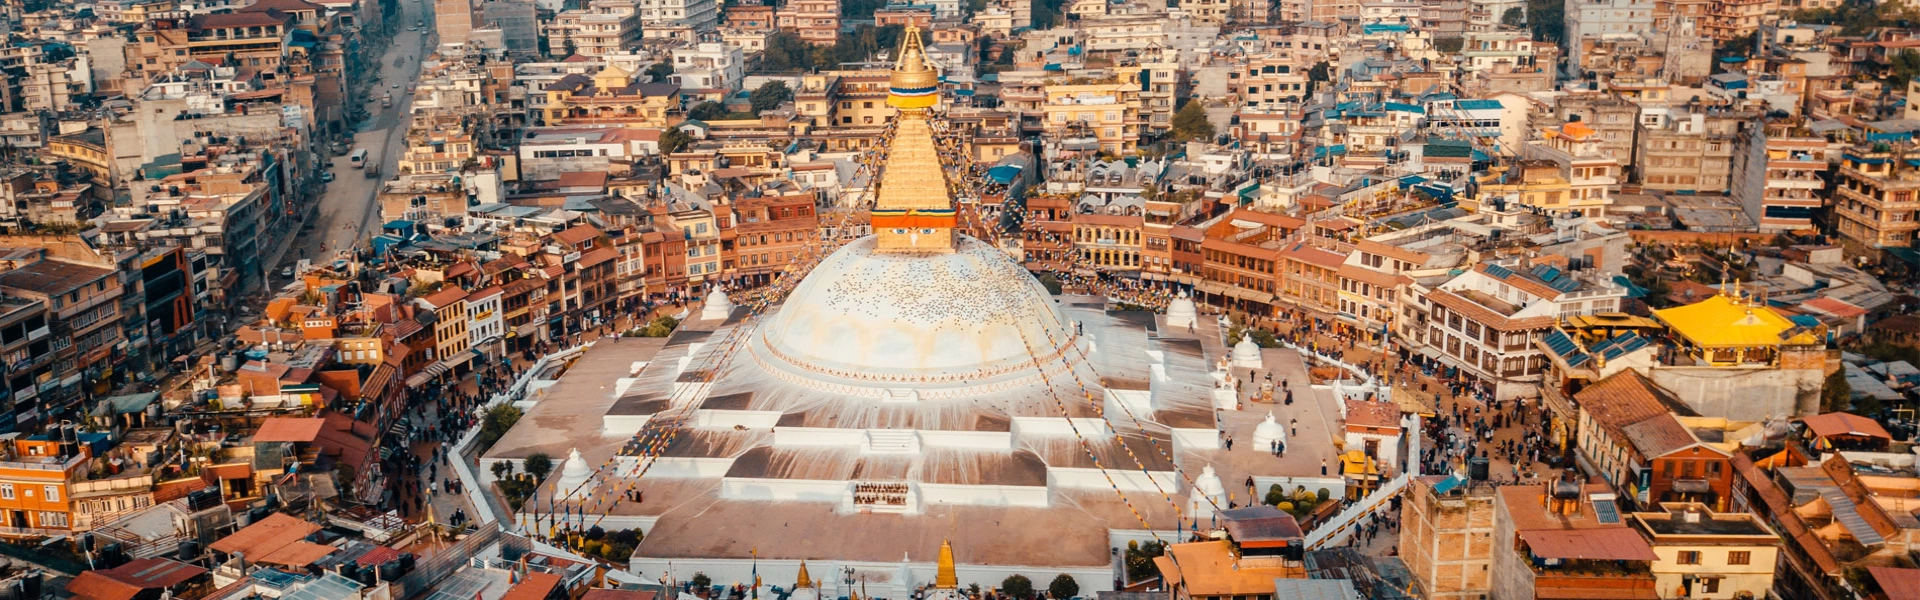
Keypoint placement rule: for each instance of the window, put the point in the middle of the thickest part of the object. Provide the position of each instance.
(6, 491)
(1709, 586)
(1689, 557)
(53, 493)
(1740, 557)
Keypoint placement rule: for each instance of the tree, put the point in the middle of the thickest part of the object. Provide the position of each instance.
(701, 581)
(496, 423)
(1139, 558)
(707, 111)
(1515, 17)
(539, 465)
(1836, 394)
(769, 96)
(1275, 495)
(1191, 123)
(673, 139)
(1017, 586)
(1063, 587)
(1320, 71)
(1051, 282)
(1547, 20)
(660, 71)
(1449, 45)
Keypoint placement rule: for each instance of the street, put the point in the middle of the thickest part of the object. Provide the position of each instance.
(346, 210)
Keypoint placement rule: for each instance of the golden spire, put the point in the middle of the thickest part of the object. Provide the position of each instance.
(804, 581)
(913, 211)
(945, 578)
(914, 86)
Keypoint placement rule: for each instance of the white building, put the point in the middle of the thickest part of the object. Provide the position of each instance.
(708, 66)
(1605, 19)
(485, 328)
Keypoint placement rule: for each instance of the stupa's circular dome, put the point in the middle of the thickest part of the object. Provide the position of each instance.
(934, 318)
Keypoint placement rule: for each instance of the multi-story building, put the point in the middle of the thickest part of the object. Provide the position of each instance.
(1486, 320)
(1689, 152)
(426, 198)
(1208, 12)
(750, 17)
(455, 20)
(600, 28)
(1778, 176)
(1446, 536)
(1565, 172)
(611, 97)
(815, 21)
(83, 301)
(1709, 554)
(450, 321)
(1108, 112)
(36, 484)
(1734, 19)
(679, 19)
(1604, 19)
(1612, 119)
(26, 348)
(775, 230)
(1562, 539)
(709, 68)
(243, 38)
(1876, 198)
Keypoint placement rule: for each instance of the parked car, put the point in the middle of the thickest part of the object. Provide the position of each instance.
(326, 175)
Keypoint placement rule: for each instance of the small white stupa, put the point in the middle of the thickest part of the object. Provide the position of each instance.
(576, 478)
(1268, 432)
(1246, 353)
(804, 587)
(1207, 492)
(717, 307)
(1181, 312)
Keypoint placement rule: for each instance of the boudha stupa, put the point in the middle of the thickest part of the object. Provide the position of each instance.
(918, 414)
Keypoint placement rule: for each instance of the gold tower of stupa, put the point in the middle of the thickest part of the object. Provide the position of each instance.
(945, 576)
(913, 212)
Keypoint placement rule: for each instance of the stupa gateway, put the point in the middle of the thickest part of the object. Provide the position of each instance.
(918, 387)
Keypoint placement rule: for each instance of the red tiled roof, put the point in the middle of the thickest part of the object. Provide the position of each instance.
(380, 555)
(126, 581)
(1612, 543)
(576, 234)
(1896, 583)
(445, 297)
(265, 536)
(1834, 307)
(1621, 399)
(1839, 423)
(535, 586)
(288, 429)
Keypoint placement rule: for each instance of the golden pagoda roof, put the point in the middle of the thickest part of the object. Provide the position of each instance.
(804, 579)
(1724, 321)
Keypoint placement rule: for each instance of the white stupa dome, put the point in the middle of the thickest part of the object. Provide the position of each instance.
(575, 478)
(918, 319)
(1209, 482)
(1207, 491)
(717, 306)
(1268, 432)
(1181, 312)
(1246, 353)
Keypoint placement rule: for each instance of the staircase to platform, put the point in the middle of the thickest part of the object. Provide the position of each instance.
(892, 441)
